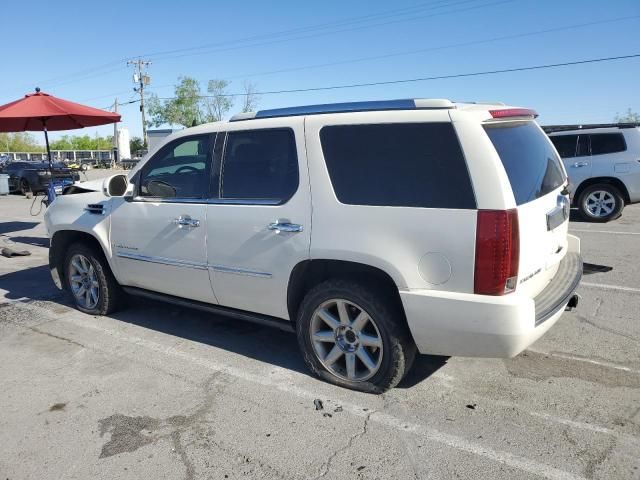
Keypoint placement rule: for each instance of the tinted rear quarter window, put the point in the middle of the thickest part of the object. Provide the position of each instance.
(532, 165)
(603, 143)
(398, 164)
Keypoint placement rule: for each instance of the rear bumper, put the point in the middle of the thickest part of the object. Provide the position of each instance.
(458, 324)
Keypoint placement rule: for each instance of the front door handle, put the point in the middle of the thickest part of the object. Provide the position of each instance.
(285, 227)
(581, 164)
(186, 221)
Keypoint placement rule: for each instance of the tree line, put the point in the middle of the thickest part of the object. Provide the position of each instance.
(29, 142)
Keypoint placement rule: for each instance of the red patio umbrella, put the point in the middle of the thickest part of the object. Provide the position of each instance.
(43, 112)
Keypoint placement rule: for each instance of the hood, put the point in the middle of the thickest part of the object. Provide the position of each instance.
(84, 187)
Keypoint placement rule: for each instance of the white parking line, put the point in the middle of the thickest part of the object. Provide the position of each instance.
(604, 286)
(586, 360)
(603, 231)
(431, 434)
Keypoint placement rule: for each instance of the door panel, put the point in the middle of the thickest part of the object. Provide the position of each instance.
(154, 252)
(579, 168)
(249, 258)
(159, 236)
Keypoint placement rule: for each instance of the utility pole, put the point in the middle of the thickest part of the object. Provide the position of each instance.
(116, 146)
(141, 80)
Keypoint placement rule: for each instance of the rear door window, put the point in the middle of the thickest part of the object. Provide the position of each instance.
(565, 144)
(398, 165)
(531, 163)
(260, 165)
(603, 143)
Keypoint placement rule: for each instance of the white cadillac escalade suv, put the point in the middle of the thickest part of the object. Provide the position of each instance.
(374, 230)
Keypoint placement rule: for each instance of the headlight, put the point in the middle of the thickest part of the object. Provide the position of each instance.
(43, 174)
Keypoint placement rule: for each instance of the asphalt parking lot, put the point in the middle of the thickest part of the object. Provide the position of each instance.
(161, 392)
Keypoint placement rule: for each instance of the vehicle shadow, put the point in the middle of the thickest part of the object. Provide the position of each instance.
(258, 342)
(9, 227)
(591, 268)
(30, 283)
(35, 241)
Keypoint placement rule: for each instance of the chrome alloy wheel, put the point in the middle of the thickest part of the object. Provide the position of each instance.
(600, 203)
(84, 282)
(346, 340)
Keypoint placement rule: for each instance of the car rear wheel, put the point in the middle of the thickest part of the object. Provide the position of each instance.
(89, 280)
(600, 203)
(353, 336)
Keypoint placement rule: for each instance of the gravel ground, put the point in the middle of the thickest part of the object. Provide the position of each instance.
(161, 392)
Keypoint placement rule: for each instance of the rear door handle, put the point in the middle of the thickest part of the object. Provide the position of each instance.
(186, 221)
(581, 164)
(285, 227)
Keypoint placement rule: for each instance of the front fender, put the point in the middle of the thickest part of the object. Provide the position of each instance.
(69, 213)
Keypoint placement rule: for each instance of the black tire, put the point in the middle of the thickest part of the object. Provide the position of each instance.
(25, 187)
(110, 295)
(398, 348)
(610, 192)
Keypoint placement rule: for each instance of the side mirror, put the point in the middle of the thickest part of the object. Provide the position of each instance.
(115, 186)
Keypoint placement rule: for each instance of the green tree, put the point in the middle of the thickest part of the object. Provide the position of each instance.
(185, 108)
(136, 144)
(19, 142)
(628, 117)
(218, 103)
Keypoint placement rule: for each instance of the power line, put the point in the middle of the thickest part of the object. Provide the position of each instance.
(168, 55)
(109, 66)
(320, 34)
(346, 21)
(424, 79)
(431, 49)
(422, 50)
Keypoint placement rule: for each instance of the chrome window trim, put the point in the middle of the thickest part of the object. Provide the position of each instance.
(210, 201)
(162, 260)
(241, 201)
(189, 264)
(240, 271)
(169, 200)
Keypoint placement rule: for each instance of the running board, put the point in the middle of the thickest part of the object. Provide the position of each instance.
(265, 320)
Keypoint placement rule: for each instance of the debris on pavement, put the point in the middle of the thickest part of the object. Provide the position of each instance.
(318, 403)
(10, 252)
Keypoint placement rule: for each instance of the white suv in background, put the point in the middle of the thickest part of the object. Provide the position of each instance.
(371, 229)
(603, 163)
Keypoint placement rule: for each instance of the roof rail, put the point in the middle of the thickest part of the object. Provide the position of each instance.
(406, 104)
(564, 128)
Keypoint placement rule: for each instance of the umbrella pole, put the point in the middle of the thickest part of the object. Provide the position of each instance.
(46, 141)
(51, 193)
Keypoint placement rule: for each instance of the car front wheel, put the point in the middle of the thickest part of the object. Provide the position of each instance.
(25, 187)
(90, 281)
(354, 336)
(600, 203)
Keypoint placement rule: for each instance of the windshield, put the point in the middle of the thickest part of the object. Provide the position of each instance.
(529, 158)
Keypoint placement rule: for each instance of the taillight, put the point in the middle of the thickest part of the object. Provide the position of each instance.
(513, 112)
(497, 252)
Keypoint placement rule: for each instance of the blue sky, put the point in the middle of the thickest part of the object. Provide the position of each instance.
(77, 50)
